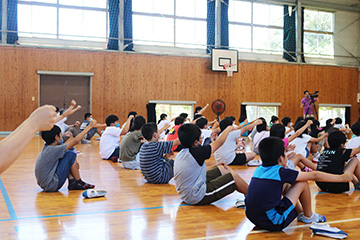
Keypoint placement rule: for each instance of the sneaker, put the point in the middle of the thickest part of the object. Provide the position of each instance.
(314, 218)
(84, 141)
(240, 203)
(315, 157)
(79, 185)
(254, 163)
(327, 231)
(306, 169)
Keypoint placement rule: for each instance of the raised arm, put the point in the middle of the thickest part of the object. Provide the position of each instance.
(300, 131)
(220, 141)
(166, 126)
(355, 151)
(324, 177)
(80, 136)
(319, 139)
(13, 145)
(68, 111)
(203, 109)
(127, 125)
(250, 126)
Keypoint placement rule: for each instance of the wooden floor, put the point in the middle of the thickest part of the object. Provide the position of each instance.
(134, 209)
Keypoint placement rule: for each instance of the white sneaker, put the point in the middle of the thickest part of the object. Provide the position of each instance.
(84, 141)
(254, 163)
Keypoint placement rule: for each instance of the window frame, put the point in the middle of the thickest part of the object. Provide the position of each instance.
(321, 32)
(169, 102)
(263, 104)
(320, 105)
(58, 41)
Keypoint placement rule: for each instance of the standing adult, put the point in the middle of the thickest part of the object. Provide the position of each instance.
(307, 103)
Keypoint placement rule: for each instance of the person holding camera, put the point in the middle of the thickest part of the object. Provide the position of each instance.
(307, 103)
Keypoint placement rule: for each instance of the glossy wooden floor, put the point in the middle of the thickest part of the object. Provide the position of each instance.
(134, 209)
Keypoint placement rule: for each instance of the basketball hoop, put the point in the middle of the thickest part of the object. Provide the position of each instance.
(229, 69)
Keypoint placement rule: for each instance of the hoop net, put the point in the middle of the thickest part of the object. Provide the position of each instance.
(229, 69)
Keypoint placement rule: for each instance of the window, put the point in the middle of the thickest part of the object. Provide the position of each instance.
(265, 110)
(318, 34)
(255, 27)
(173, 108)
(63, 19)
(170, 23)
(330, 112)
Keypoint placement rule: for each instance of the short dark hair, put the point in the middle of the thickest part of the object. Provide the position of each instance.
(56, 109)
(184, 115)
(179, 120)
(111, 119)
(277, 130)
(139, 121)
(232, 118)
(355, 128)
(274, 119)
(61, 111)
(299, 125)
(87, 115)
(306, 91)
(201, 122)
(286, 120)
(196, 116)
(338, 120)
(298, 119)
(271, 148)
(261, 127)
(336, 138)
(197, 109)
(148, 130)
(132, 113)
(225, 123)
(49, 136)
(188, 134)
(242, 118)
(162, 117)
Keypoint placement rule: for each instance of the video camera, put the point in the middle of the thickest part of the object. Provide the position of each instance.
(314, 95)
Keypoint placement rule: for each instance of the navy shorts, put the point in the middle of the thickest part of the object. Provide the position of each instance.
(240, 159)
(275, 219)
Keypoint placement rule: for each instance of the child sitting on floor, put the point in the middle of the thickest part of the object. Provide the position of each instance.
(155, 167)
(226, 153)
(338, 160)
(268, 206)
(94, 130)
(194, 184)
(130, 145)
(109, 141)
(57, 162)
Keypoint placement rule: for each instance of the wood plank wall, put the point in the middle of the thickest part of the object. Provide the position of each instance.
(127, 81)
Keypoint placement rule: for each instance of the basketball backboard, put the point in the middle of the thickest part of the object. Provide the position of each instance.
(219, 57)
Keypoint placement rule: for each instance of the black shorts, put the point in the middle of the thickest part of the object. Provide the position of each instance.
(240, 159)
(275, 219)
(217, 186)
(333, 187)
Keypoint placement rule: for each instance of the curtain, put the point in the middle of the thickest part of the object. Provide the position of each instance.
(289, 36)
(128, 26)
(224, 22)
(113, 43)
(12, 22)
(0, 20)
(243, 110)
(151, 113)
(210, 29)
(302, 35)
(347, 115)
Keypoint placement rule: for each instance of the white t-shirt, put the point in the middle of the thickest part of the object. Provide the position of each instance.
(354, 143)
(161, 125)
(290, 133)
(109, 140)
(258, 137)
(226, 153)
(62, 125)
(300, 144)
(205, 133)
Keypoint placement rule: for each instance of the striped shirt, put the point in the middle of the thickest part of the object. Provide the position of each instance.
(152, 163)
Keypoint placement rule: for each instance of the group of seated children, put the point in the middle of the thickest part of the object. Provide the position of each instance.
(277, 193)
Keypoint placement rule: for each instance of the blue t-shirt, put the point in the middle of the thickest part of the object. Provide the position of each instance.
(266, 187)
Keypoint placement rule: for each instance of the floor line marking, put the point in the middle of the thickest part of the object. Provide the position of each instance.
(7, 200)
